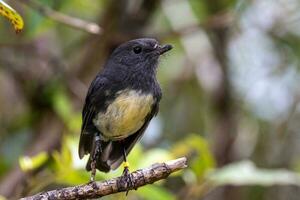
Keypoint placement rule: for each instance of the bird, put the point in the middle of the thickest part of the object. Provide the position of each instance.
(120, 102)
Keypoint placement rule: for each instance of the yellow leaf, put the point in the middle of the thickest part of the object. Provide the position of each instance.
(30, 163)
(12, 15)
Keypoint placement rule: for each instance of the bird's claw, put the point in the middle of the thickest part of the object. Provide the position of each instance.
(127, 178)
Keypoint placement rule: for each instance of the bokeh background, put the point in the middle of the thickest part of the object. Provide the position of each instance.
(231, 95)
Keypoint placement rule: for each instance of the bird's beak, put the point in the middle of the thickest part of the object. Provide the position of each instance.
(164, 48)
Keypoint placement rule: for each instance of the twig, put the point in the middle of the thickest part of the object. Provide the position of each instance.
(99, 189)
(73, 22)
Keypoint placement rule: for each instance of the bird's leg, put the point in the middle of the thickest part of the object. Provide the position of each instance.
(126, 172)
(125, 163)
(95, 155)
(93, 172)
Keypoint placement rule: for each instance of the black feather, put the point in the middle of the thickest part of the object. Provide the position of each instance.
(88, 130)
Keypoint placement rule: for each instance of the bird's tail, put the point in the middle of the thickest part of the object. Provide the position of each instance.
(98, 149)
(111, 153)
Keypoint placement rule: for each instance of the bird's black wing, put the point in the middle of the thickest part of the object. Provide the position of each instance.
(95, 93)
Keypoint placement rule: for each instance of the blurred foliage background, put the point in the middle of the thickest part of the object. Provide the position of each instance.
(231, 95)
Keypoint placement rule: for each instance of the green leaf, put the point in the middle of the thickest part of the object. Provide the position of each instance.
(66, 170)
(246, 173)
(63, 159)
(196, 147)
(62, 104)
(74, 122)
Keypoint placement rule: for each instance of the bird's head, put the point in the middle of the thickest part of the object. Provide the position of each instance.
(139, 54)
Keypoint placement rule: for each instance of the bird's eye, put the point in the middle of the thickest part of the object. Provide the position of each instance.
(137, 49)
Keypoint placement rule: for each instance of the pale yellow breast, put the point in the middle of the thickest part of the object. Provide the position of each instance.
(125, 115)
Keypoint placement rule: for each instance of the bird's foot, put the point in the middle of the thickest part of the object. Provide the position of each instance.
(94, 156)
(127, 177)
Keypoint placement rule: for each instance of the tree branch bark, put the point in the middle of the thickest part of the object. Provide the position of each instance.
(139, 178)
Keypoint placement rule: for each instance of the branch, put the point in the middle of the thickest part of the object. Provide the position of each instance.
(72, 22)
(139, 178)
